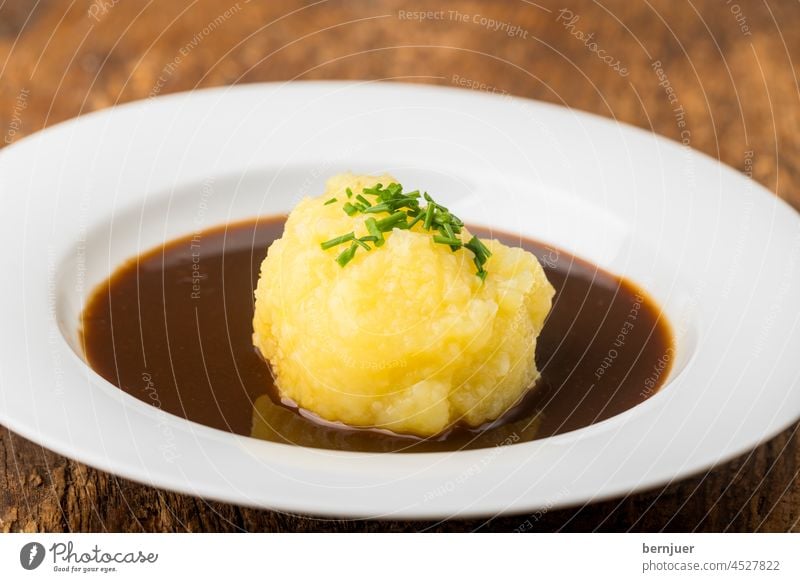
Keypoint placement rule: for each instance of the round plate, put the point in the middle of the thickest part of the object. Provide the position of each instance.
(718, 252)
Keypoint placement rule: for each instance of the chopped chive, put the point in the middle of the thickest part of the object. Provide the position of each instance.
(376, 189)
(360, 242)
(449, 230)
(328, 244)
(382, 207)
(390, 222)
(394, 189)
(363, 200)
(374, 230)
(482, 246)
(349, 192)
(347, 255)
(446, 240)
(477, 247)
(429, 210)
(331, 201)
(417, 219)
(349, 209)
(403, 201)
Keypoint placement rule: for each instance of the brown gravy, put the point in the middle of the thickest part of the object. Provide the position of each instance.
(173, 328)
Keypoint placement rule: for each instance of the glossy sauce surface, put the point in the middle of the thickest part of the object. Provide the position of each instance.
(173, 328)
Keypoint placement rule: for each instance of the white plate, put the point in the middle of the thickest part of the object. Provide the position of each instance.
(720, 254)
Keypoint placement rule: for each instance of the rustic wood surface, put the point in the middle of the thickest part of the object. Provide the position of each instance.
(732, 69)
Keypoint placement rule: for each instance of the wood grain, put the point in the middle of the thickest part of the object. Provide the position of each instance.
(733, 72)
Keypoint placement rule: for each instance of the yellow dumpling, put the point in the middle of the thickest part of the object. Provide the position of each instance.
(405, 336)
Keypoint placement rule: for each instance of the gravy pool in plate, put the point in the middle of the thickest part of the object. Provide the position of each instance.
(173, 328)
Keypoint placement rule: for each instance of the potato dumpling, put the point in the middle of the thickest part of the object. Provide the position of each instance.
(405, 336)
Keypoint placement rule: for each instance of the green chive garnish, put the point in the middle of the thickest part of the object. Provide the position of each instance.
(394, 190)
(347, 255)
(382, 207)
(404, 212)
(428, 215)
(390, 222)
(375, 190)
(374, 230)
(477, 247)
(445, 240)
(329, 244)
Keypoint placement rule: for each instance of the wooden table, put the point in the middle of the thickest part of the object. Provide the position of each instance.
(733, 73)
